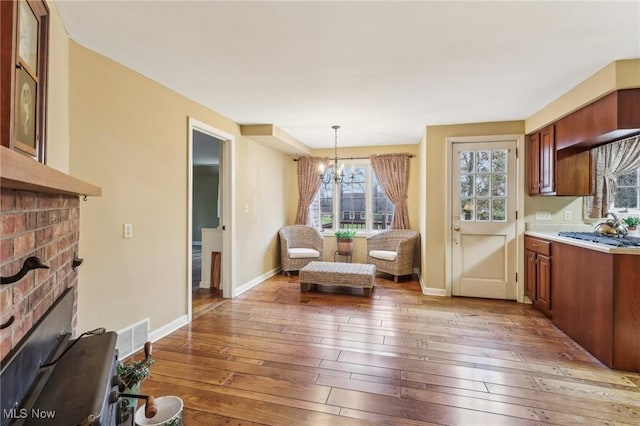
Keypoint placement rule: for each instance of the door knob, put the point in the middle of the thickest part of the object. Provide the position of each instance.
(456, 228)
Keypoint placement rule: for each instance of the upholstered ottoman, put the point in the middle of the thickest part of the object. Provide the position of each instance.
(338, 274)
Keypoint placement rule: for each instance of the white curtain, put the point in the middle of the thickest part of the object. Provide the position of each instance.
(612, 160)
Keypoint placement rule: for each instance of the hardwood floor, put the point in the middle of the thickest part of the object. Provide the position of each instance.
(280, 357)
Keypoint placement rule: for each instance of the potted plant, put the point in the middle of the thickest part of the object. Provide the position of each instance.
(344, 238)
(132, 374)
(632, 222)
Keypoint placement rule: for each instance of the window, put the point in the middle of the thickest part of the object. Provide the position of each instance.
(628, 191)
(360, 203)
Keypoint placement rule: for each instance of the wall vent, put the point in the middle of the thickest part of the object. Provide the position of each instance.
(132, 338)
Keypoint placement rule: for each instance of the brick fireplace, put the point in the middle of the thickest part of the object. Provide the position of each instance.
(35, 224)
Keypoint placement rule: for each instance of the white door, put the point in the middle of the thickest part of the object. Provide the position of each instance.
(483, 208)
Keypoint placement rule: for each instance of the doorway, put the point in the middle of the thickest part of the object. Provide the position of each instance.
(209, 250)
(483, 218)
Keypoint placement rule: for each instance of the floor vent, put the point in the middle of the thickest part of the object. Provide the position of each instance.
(132, 338)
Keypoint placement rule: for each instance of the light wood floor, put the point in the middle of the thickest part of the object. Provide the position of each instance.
(280, 357)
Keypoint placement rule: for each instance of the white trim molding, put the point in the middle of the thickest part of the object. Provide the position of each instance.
(254, 282)
(169, 328)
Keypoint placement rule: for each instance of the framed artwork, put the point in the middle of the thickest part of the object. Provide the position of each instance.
(25, 113)
(28, 36)
(30, 29)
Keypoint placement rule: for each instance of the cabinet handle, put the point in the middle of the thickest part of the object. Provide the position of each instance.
(534, 245)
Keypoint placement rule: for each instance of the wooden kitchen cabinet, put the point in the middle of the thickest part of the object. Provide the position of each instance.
(558, 172)
(538, 273)
(595, 302)
(612, 117)
(542, 161)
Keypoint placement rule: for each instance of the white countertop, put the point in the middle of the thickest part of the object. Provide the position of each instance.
(553, 236)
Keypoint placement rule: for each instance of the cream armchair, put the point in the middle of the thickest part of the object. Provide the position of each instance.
(299, 245)
(393, 251)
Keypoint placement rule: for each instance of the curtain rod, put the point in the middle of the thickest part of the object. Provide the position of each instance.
(356, 158)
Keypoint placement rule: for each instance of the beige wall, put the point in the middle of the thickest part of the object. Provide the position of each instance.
(413, 191)
(434, 232)
(262, 185)
(617, 75)
(58, 94)
(129, 135)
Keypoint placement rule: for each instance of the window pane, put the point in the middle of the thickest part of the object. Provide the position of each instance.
(466, 186)
(498, 210)
(629, 179)
(482, 210)
(467, 209)
(483, 163)
(382, 208)
(499, 185)
(352, 198)
(499, 161)
(626, 198)
(482, 185)
(326, 200)
(466, 162)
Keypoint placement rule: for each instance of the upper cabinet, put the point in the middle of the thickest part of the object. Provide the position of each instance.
(542, 162)
(567, 171)
(607, 119)
(23, 73)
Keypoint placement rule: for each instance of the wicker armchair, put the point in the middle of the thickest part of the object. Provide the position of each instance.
(393, 251)
(299, 245)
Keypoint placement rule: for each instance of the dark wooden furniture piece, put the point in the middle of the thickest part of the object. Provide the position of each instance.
(612, 117)
(23, 76)
(538, 273)
(595, 301)
(560, 160)
(216, 261)
(557, 172)
(542, 155)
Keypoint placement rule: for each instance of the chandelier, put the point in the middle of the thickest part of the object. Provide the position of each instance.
(337, 174)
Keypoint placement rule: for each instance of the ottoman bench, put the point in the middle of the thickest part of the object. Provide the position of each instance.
(338, 274)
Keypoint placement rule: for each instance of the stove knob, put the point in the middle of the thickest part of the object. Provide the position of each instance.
(115, 381)
(113, 397)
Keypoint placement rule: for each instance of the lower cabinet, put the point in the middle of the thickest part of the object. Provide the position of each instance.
(538, 273)
(595, 302)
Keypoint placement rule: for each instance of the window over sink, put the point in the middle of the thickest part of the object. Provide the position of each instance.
(627, 196)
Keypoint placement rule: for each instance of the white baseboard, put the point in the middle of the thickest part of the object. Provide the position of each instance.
(205, 284)
(169, 328)
(428, 291)
(254, 282)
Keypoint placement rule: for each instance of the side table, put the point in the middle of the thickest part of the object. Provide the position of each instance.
(347, 255)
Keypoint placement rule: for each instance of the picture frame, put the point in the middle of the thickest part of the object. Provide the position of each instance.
(28, 36)
(25, 116)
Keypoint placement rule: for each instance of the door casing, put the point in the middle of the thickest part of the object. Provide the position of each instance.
(520, 222)
(227, 177)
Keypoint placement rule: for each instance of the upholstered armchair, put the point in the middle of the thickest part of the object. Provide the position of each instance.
(393, 251)
(299, 245)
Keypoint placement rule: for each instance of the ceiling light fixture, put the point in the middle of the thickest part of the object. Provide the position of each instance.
(337, 174)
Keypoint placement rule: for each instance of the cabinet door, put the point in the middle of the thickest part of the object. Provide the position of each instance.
(531, 275)
(543, 297)
(547, 160)
(534, 163)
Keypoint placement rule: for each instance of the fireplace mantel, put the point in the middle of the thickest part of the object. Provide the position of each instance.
(23, 173)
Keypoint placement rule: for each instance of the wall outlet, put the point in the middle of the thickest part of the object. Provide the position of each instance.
(543, 215)
(127, 231)
(567, 215)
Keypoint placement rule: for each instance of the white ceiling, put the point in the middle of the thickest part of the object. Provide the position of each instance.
(382, 70)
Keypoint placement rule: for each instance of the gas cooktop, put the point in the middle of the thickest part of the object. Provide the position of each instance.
(603, 239)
